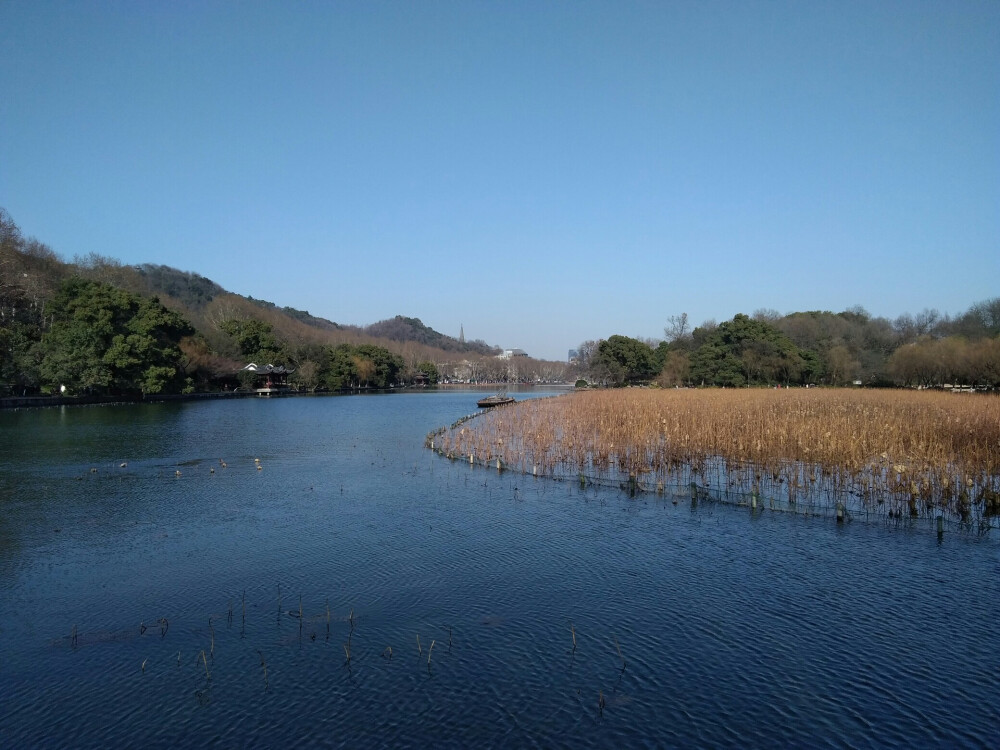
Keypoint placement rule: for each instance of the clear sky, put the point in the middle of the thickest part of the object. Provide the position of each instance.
(539, 172)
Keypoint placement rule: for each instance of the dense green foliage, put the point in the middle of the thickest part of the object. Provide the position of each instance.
(106, 340)
(810, 347)
(368, 366)
(430, 371)
(746, 351)
(256, 341)
(622, 360)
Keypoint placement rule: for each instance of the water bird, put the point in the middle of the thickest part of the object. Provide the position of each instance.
(259, 467)
(177, 473)
(122, 465)
(93, 469)
(211, 470)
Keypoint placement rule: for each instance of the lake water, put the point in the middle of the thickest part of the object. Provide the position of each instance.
(694, 626)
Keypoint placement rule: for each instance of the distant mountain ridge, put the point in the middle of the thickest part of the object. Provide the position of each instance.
(405, 329)
(196, 292)
(31, 273)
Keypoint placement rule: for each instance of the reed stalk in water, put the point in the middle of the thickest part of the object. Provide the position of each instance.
(915, 453)
(619, 649)
(263, 664)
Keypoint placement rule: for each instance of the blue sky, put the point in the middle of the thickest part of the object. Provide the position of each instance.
(539, 172)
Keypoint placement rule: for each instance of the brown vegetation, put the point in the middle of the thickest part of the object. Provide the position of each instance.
(899, 452)
(31, 275)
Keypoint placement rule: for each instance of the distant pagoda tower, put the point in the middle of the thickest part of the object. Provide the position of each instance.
(461, 334)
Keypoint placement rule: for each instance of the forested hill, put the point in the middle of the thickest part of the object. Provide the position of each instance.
(152, 328)
(190, 289)
(195, 292)
(413, 329)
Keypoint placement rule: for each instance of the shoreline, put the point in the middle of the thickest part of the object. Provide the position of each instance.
(42, 402)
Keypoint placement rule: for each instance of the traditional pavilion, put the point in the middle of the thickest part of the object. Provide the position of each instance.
(271, 379)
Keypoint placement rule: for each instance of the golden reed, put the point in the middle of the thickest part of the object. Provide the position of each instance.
(902, 451)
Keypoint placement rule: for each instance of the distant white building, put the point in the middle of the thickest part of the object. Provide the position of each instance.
(511, 353)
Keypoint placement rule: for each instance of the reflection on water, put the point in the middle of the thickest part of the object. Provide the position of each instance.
(697, 626)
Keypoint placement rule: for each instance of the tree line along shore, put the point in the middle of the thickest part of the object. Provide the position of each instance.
(97, 328)
(808, 348)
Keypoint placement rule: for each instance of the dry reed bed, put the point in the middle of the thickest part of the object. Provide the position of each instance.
(894, 451)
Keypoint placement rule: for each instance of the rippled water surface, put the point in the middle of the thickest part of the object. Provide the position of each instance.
(694, 626)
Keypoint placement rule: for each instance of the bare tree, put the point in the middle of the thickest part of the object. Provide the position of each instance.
(676, 368)
(987, 313)
(307, 374)
(11, 242)
(364, 368)
(926, 321)
(767, 315)
(841, 365)
(677, 327)
(585, 353)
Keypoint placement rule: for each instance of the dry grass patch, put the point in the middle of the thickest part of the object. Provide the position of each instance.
(901, 451)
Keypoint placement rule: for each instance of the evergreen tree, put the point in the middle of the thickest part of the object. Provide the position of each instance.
(107, 340)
